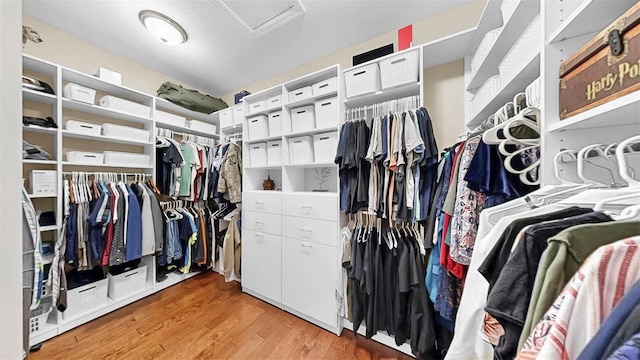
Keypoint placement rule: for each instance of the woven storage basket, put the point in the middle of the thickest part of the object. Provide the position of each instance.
(484, 48)
(486, 93)
(400, 70)
(521, 53)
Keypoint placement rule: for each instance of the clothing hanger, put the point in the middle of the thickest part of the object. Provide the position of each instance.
(622, 160)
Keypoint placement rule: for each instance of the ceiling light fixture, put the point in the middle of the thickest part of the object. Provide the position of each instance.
(163, 28)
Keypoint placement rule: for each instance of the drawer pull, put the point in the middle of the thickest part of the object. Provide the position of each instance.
(260, 205)
(132, 274)
(305, 233)
(259, 225)
(307, 246)
(87, 289)
(259, 238)
(305, 209)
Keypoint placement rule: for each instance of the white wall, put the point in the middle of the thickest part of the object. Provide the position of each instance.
(10, 180)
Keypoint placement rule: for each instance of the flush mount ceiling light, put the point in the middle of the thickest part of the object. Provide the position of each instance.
(163, 28)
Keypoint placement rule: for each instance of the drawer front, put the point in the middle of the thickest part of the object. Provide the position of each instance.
(320, 206)
(262, 201)
(312, 230)
(261, 258)
(262, 222)
(308, 279)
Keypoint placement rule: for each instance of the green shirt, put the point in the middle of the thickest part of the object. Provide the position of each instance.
(189, 163)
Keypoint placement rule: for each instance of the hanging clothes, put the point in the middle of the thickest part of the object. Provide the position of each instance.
(230, 181)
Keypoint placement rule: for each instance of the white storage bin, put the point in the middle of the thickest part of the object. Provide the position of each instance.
(325, 86)
(400, 69)
(238, 115)
(362, 80)
(303, 119)
(169, 118)
(274, 153)
(202, 126)
(85, 157)
(126, 132)
(301, 150)
(127, 283)
(79, 93)
(258, 154)
(507, 8)
(226, 118)
(274, 102)
(523, 51)
(275, 123)
(326, 113)
(258, 127)
(486, 93)
(125, 158)
(484, 48)
(81, 127)
(257, 106)
(300, 94)
(122, 105)
(325, 146)
(86, 298)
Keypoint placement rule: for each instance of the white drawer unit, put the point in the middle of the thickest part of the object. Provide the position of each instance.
(125, 132)
(85, 157)
(126, 158)
(258, 127)
(326, 113)
(275, 123)
(274, 153)
(274, 102)
(238, 115)
(303, 119)
(79, 93)
(226, 118)
(325, 146)
(86, 298)
(308, 279)
(127, 283)
(400, 69)
(261, 259)
(300, 94)
(169, 118)
(258, 154)
(313, 230)
(301, 150)
(362, 80)
(262, 222)
(80, 127)
(262, 201)
(325, 86)
(257, 106)
(314, 206)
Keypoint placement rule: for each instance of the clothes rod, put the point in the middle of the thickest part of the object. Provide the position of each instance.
(597, 156)
(103, 173)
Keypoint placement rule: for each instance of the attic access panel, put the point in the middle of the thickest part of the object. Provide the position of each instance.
(257, 17)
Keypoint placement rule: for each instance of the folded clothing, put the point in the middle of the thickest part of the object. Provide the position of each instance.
(36, 84)
(36, 121)
(33, 152)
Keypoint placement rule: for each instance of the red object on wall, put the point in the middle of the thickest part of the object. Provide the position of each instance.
(405, 37)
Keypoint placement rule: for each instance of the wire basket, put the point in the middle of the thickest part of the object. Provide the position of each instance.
(525, 48)
(484, 48)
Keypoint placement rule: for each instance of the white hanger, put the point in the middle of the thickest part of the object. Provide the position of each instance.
(582, 158)
(622, 161)
(556, 166)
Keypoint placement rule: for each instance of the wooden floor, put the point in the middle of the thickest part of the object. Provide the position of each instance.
(206, 318)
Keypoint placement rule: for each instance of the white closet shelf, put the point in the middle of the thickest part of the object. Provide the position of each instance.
(490, 19)
(312, 131)
(266, 111)
(312, 165)
(263, 94)
(619, 112)
(67, 163)
(165, 105)
(264, 167)
(40, 162)
(42, 196)
(40, 66)
(48, 228)
(38, 96)
(94, 82)
(589, 18)
(112, 140)
(186, 130)
(384, 95)
(38, 129)
(102, 111)
(310, 79)
(308, 101)
(268, 138)
(509, 89)
(524, 13)
(448, 48)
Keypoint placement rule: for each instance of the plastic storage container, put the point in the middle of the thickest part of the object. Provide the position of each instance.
(257, 106)
(362, 80)
(274, 153)
(326, 112)
(202, 126)
(523, 51)
(325, 86)
(81, 127)
(86, 298)
(39, 316)
(483, 49)
(169, 118)
(258, 127)
(301, 150)
(125, 158)
(302, 119)
(122, 105)
(126, 132)
(400, 69)
(324, 147)
(226, 118)
(300, 94)
(127, 283)
(258, 154)
(275, 123)
(485, 93)
(79, 93)
(85, 157)
(238, 115)
(274, 102)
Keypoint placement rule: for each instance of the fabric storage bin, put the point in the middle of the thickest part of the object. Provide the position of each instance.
(325, 86)
(400, 69)
(85, 157)
(258, 106)
(258, 154)
(326, 112)
(324, 147)
(484, 48)
(300, 94)
(507, 8)
(274, 102)
(301, 150)
(485, 93)
(122, 105)
(226, 118)
(238, 115)
(127, 283)
(202, 126)
(523, 51)
(258, 127)
(362, 80)
(126, 132)
(274, 152)
(125, 158)
(39, 316)
(275, 123)
(80, 127)
(86, 298)
(302, 119)
(168, 118)
(79, 93)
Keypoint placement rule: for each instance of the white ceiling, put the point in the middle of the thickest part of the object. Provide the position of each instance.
(220, 55)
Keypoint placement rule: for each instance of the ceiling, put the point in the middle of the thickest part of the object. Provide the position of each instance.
(220, 55)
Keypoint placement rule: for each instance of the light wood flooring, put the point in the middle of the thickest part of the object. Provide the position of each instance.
(206, 318)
